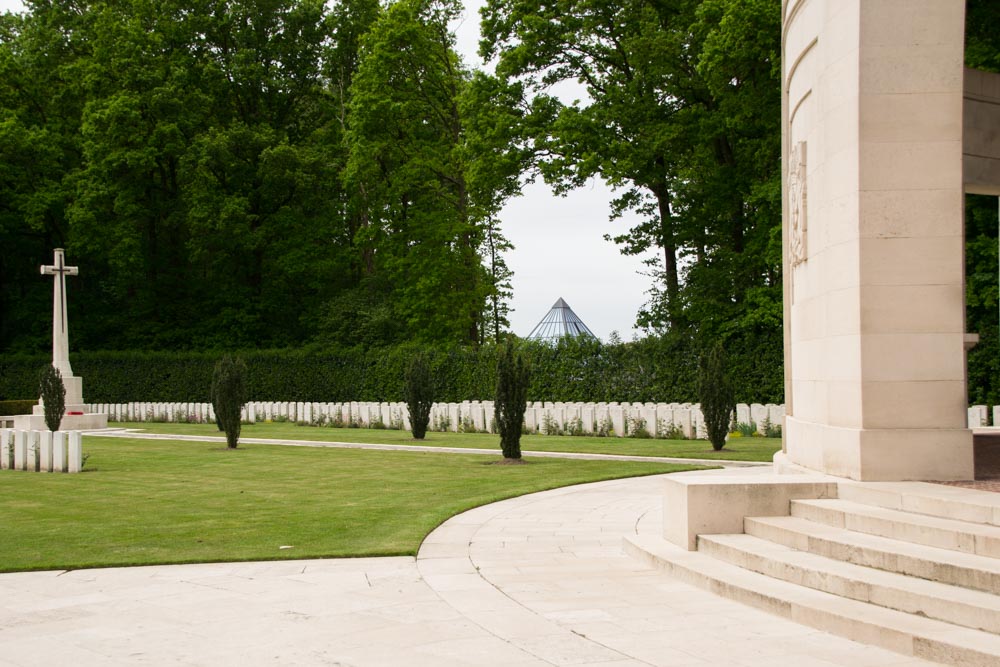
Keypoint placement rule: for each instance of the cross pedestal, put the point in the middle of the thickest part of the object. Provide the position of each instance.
(60, 359)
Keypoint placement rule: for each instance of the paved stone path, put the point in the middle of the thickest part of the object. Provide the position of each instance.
(127, 433)
(537, 580)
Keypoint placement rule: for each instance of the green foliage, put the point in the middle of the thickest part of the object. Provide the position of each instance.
(771, 430)
(635, 427)
(982, 51)
(419, 395)
(17, 407)
(511, 400)
(715, 395)
(981, 298)
(982, 43)
(420, 159)
(53, 393)
(650, 369)
(229, 393)
(200, 162)
(682, 117)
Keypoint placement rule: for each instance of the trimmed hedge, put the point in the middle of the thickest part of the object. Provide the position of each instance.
(17, 407)
(651, 369)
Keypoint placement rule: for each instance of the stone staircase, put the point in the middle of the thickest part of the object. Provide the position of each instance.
(910, 567)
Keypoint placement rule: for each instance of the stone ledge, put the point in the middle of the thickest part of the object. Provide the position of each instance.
(700, 504)
(86, 422)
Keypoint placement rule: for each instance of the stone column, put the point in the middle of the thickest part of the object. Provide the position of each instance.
(874, 243)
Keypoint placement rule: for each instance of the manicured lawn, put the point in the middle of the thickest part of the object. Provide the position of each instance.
(144, 502)
(738, 449)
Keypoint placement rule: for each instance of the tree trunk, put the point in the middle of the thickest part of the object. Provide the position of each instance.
(669, 246)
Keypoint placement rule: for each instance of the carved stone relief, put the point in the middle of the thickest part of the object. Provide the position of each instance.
(797, 198)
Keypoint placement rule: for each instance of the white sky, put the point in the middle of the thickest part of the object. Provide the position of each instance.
(559, 246)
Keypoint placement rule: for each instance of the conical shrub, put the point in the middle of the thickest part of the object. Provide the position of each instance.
(419, 395)
(511, 400)
(715, 391)
(53, 393)
(229, 393)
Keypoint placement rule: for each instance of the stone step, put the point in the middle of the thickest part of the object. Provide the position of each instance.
(897, 631)
(940, 500)
(932, 531)
(916, 560)
(961, 606)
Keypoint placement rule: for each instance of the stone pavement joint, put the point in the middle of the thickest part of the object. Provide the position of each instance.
(538, 580)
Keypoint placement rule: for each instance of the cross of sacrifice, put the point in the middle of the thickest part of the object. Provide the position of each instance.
(60, 336)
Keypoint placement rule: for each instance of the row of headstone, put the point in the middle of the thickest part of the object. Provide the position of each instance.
(547, 417)
(194, 413)
(618, 419)
(979, 416)
(41, 451)
(674, 420)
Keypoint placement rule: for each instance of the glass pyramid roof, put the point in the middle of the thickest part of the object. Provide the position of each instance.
(560, 321)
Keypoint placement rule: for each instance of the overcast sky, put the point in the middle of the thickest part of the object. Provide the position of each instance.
(559, 246)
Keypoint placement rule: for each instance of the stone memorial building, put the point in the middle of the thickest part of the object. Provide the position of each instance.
(884, 131)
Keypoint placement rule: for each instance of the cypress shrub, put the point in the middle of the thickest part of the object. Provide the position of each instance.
(229, 393)
(716, 395)
(419, 395)
(511, 400)
(53, 392)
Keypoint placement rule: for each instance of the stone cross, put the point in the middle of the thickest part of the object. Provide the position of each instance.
(60, 334)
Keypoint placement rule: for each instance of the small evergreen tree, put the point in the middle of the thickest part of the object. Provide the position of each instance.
(53, 393)
(715, 391)
(419, 395)
(511, 400)
(228, 396)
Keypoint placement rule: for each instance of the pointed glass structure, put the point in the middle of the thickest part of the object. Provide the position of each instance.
(560, 321)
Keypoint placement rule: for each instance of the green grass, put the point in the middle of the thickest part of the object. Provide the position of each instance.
(146, 502)
(738, 449)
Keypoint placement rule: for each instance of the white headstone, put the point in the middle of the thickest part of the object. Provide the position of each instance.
(20, 449)
(31, 463)
(45, 451)
(742, 413)
(75, 451)
(617, 414)
(59, 454)
(6, 449)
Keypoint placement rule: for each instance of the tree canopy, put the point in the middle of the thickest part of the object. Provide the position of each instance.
(248, 173)
(681, 115)
(286, 173)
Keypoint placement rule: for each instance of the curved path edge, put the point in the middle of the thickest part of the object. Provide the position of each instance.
(534, 581)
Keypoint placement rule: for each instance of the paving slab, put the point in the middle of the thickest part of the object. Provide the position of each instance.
(539, 580)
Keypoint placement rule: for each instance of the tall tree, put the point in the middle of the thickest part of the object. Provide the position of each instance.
(425, 207)
(237, 173)
(40, 106)
(681, 115)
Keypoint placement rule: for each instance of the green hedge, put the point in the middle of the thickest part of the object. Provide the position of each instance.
(17, 407)
(651, 369)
